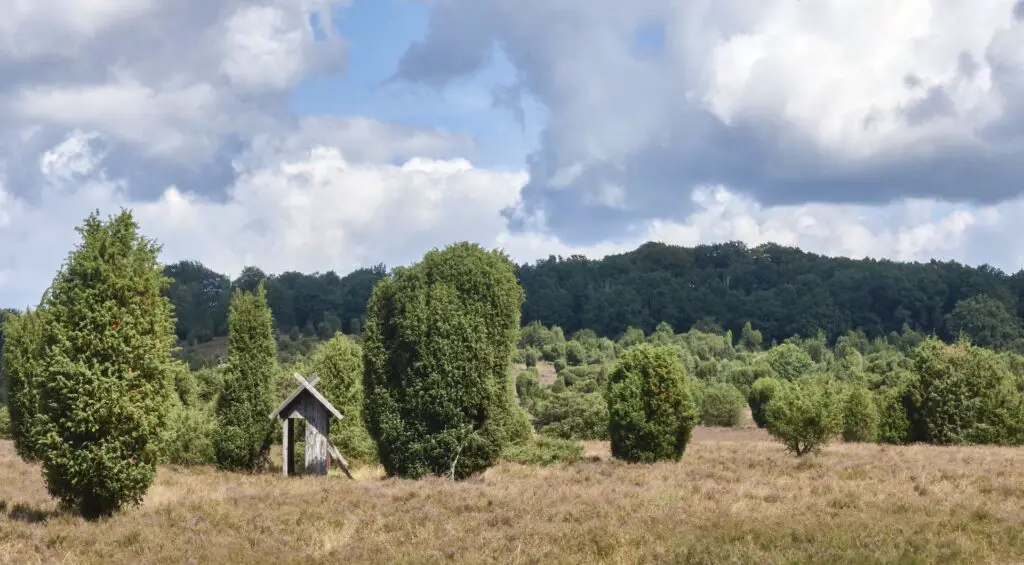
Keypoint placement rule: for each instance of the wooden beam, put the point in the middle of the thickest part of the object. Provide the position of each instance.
(341, 460)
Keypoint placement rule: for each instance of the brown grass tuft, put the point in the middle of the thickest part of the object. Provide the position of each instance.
(736, 497)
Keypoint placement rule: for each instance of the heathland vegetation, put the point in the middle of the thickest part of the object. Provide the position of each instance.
(464, 362)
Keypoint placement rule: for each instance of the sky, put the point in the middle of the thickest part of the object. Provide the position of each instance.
(317, 135)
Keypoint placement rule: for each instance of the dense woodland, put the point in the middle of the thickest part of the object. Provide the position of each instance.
(781, 291)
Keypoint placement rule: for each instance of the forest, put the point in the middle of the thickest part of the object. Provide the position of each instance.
(781, 291)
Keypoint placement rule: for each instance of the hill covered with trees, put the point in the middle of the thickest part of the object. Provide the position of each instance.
(781, 291)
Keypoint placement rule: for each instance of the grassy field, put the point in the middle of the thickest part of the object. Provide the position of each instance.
(736, 497)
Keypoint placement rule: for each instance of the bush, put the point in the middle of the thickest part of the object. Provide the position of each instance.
(188, 439)
(560, 364)
(107, 375)
(803, 415)
(860, 416)
(544, 451)
(761, 392)
(572, 415)
(244, 429)
(789, 361)
(5, 422)
(967, 395)
(893, 423)
(530, 357)
(437, 343)
(339, 364)
(22, 369)
(527, 383)
(651, 412)
(723, 405)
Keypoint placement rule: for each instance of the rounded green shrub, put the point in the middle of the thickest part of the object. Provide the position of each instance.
(560, 364)
(651, 412)
(531, 356)
(107, 374)
(339, 364)
(789, 361)
(967, 395)
(860, 416)
(244, 430)
(437, 343)
(723, 405)
(761, 393)
(804, 415)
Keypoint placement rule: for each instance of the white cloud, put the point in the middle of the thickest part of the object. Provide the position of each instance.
(320, 211)
(861, 102)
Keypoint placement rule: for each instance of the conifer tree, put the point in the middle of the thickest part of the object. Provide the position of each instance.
(22, 358)
(439, 338)
(107, 333)
(244, 431)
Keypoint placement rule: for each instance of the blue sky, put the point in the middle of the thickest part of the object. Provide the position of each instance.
(378, 32)
(240, 134)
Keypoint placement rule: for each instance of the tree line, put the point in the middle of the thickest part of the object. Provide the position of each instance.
(781, 291)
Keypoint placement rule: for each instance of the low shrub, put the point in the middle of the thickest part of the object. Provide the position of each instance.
(188, 437)
(860, 416)
(761, 392)
(804, 416)
(651, 412)
(722, 405)
(544, 451)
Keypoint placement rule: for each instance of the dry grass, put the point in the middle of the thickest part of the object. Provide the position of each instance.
(735, 498)
(546, 373)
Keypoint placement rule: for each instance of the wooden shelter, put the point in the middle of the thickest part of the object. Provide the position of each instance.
(307, 403)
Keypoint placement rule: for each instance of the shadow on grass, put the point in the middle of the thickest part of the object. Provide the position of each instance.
(25, 513)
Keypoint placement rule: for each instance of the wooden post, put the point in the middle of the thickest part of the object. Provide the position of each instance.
(316, 438)
(287, 447)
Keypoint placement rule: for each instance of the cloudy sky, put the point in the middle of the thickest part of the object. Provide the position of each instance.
(317, 134)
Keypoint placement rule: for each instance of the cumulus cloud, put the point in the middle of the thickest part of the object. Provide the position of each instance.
(171, 86)
(787, 101)
(860, 129)
(320, 210)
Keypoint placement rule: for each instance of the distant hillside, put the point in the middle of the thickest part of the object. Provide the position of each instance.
(780, 290)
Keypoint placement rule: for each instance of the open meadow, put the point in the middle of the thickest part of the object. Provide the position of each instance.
(736, 497)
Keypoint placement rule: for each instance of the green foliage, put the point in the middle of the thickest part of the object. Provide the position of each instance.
(761, 392)
(5, 422)
(188, 438)
(967, 395)
(22, 369)
(860, 416)
(527, 383)
(544, 451)
(570, 415)
(339, 364)
(722, 405)
(531, 357)
(893, 424)
(186, 386)
(651, 412)
(750, 339)
(244, 429)
(438, 339)
(789, 361)
(209, 383)
(803, 415)
(107, 374)
(986, 321)
(560, 364)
